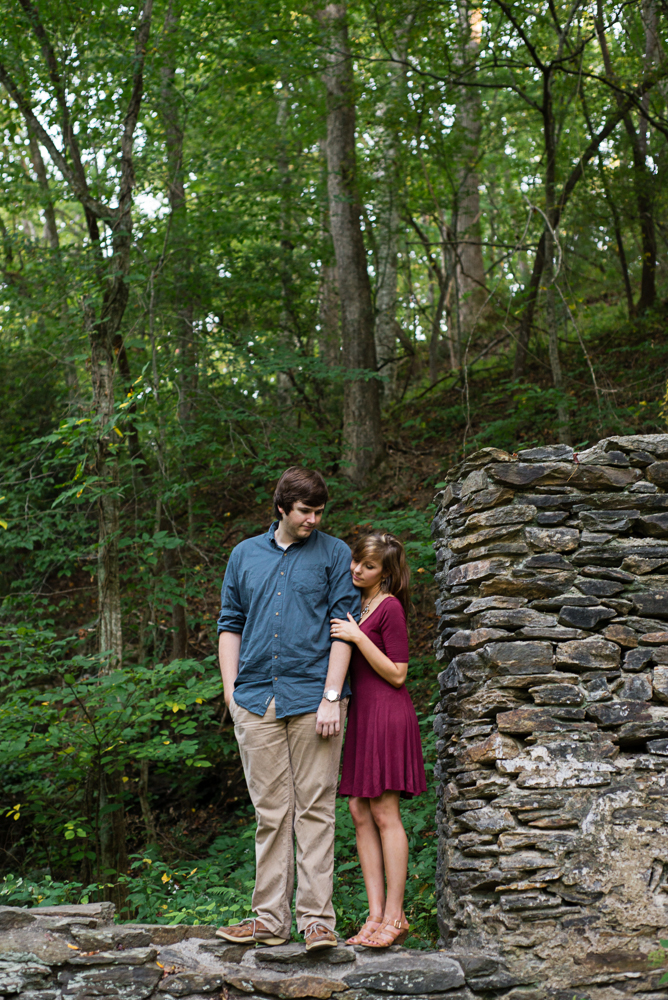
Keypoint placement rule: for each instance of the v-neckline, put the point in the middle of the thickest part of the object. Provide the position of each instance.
(369, 617)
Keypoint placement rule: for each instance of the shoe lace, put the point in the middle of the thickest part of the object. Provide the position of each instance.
(317, 925)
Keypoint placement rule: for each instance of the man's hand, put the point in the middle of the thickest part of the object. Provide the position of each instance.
(328, 718)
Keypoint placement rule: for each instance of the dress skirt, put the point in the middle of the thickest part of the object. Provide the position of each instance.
(382, 750)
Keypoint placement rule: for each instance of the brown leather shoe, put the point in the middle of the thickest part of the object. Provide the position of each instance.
(249, 932)
(318, 936)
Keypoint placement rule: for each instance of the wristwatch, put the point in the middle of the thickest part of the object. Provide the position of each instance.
(332, 695)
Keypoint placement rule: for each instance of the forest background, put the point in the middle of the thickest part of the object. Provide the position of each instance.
(234, 237)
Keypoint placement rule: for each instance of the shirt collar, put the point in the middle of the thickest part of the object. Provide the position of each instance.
(272, 541)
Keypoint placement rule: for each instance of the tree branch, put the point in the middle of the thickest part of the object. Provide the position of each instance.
(132, 114)
(97, 208)
(520, 31)
(69, 139)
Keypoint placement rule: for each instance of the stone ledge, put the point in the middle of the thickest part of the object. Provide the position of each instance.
(77, 953)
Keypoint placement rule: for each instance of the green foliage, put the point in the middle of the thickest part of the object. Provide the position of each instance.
(217, 889)
(65, 724)
(227, 372)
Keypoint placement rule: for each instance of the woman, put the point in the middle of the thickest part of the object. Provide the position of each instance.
(382, 756)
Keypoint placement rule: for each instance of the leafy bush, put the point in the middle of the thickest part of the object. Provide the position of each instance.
(217, 889)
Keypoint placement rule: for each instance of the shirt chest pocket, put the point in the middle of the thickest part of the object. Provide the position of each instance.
(310, 580)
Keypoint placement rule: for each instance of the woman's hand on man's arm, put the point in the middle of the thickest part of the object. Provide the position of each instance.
(345, 629)
(349, 631)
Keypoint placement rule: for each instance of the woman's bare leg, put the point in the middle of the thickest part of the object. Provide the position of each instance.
(386, 817)
(370, 852)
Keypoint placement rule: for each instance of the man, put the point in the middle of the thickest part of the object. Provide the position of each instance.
(284, 679)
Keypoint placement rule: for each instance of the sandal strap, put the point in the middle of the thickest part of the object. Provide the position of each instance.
(369, 926)
(388, 932)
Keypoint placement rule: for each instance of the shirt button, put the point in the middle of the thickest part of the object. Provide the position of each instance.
(279, 593)
(277, 612)
(282, 573)
(275, 678)
(275, 635)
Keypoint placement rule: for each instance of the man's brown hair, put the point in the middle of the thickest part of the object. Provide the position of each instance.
(298, 485)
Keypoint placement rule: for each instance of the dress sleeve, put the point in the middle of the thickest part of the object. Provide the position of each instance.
(395, 632)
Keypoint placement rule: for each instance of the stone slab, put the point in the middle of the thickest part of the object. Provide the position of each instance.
(585, 618)
(184, 984)
(295, 953)
(34, 940)
(532, 585)
(17, 977)
(128, 956)
(521, 474)
(513, 618)
(409, 975)
(588, 654)
(286, 987)
(519, 657)
(14, 916)
(103, 912)
(122, 982)
(107, 938)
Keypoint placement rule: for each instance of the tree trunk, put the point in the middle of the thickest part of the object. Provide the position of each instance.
(110, 627)
(51, 235)
(577, 172)
(329, 317)
(643, 184)
(466, 227)
(549, 139)
(386, 280)
(362, 434)
(617, 226)
(444, 288)
(147, 815)
(563, 427)
(388, 221)
(624, 105)
(112, 834)
(105, 340)
(50, 228)
(329, 302)
(181, 295)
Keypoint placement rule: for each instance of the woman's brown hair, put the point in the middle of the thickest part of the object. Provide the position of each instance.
(396, 574)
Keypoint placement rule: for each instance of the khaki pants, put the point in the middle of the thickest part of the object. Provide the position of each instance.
(292, 774)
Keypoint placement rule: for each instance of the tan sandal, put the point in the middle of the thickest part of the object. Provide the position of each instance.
(364, 933)
(390, 932)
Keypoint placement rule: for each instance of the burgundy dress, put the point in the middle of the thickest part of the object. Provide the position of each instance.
(382, 751)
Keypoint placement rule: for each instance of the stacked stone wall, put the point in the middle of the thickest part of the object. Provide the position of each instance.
(553, 724)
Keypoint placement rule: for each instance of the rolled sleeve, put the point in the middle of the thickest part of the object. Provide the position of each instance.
(344, 596)
(232, 617)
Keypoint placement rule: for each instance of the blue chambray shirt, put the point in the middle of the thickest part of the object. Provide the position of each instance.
(281, 602)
